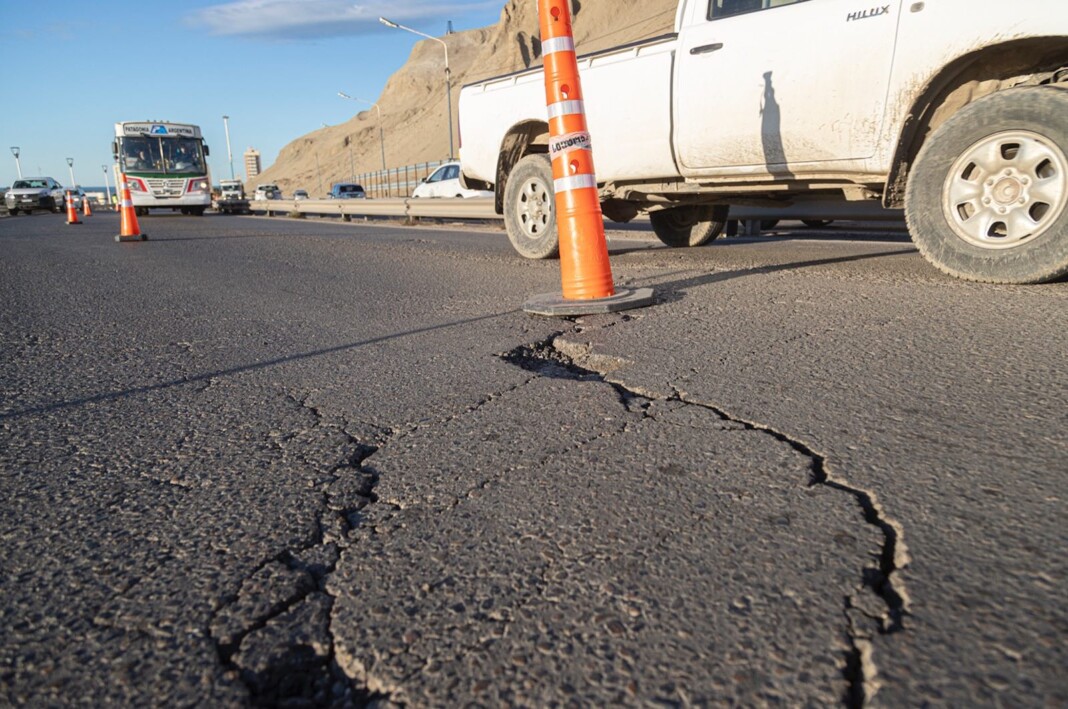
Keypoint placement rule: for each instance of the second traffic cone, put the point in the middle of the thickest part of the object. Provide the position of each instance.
(584, 267)
(72, 213)
(87, 211)
(130, 230)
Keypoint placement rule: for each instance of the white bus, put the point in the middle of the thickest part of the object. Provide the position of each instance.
(165, 165)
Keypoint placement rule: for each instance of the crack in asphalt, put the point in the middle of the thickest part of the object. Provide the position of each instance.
(556, 358)
(861, 671)
(313, 675)
(299, 668)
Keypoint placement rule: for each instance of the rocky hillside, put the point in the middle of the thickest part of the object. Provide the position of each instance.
(413, 101)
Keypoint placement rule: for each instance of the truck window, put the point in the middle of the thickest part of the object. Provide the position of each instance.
(727, 8)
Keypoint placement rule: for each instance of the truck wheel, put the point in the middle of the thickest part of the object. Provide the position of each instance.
(986, 199)
(691, 225)
(530, 210)
(13, 212)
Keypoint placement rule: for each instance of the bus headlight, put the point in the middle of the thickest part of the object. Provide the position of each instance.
(198, 185)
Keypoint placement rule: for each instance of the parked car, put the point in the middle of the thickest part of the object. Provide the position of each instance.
(267, 192)
(445, 182)
(347, 190)
(300, 194)
(32, 193)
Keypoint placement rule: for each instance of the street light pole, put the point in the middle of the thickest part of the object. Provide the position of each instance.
(448, 74)
(70, 166)
(107, 186)
(229, 153)
(381, 135)
(18, 165)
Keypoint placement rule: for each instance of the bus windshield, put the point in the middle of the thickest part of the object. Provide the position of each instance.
(166, 155)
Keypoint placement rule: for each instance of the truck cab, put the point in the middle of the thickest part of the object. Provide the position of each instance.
(948, 113)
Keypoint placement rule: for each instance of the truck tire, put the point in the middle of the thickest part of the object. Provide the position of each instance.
(986, 198)
(530, 209)
(13, 212)
(692, 225)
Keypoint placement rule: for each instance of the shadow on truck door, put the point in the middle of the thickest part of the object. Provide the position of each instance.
(771, 131)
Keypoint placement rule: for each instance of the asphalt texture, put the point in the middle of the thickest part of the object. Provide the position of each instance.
(309, 463)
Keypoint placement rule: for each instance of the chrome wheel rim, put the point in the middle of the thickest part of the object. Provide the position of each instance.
(534, 208)
(1006, 190)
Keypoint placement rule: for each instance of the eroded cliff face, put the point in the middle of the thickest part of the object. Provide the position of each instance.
(413, 100)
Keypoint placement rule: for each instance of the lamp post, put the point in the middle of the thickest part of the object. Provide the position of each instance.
(70, 166)
(381, 135)
(18, 165)
(229, 153)
(448, 86)
(107, 186)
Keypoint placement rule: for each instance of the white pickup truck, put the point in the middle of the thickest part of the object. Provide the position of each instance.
(955, 110)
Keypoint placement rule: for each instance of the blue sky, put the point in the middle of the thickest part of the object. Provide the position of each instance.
(83, 66)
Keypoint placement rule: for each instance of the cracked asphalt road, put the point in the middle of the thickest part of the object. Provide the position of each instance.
(268, 461)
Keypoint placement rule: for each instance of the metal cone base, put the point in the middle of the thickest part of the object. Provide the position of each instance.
(555, 305)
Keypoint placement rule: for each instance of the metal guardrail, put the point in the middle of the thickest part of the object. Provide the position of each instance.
(482, 208)
(407, 208)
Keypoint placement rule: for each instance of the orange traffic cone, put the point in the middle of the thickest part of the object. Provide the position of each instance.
(130, 230)
(584, 267)
(72, 213)
(87, 211)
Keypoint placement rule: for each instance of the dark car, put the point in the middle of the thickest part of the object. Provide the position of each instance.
(347, 190)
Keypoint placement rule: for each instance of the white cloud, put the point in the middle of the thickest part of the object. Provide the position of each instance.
(307, 19)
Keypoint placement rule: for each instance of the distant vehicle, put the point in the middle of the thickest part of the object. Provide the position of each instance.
(264, 192)
(32, 193)
(300, 194)
(445, 182)
(347, 190)
(77, 196)
(232, 198)
(164, 164)
(231, 189)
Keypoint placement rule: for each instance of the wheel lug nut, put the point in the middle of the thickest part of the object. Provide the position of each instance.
(1025, 180)
(1001, 210)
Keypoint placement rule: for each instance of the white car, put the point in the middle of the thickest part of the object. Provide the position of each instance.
(77, 196)
(32, 193)
(445, 182)
(264, 192)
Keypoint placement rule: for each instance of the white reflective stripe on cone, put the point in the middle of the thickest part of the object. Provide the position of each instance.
(557, 44)
(566, 108)
(575, 182)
